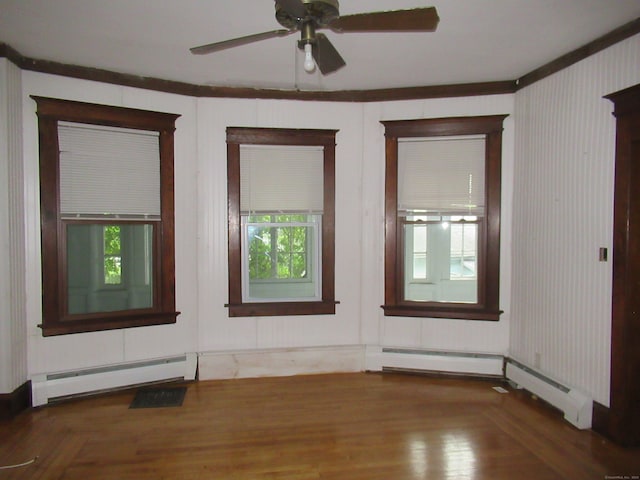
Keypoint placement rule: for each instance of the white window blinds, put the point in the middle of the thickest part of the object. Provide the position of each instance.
(443, 176)
(286, 179)
(108, 172)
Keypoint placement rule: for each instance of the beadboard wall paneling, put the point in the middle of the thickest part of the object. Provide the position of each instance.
(13, 369)
(6, 353)
(563, 214)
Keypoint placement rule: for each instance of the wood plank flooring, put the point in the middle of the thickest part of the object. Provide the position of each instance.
(338, 426)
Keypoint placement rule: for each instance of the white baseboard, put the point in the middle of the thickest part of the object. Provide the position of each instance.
(280, 362)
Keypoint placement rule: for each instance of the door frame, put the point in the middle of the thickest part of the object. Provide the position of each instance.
(620, 421)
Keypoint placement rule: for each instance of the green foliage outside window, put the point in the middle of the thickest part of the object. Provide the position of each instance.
(278, 249)
(112, 255)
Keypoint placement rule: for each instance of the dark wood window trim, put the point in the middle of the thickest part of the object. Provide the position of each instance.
(55, 319)
(487, 307)
(237, 136)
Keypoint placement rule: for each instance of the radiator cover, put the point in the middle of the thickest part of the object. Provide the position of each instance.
(576, 406)
(48, 387)
(464, 363)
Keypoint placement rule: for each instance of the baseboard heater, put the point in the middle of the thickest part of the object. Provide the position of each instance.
(434, 361)
(576, 406)
(49, 387)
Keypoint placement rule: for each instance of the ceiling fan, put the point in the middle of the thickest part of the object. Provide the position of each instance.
(307, 16)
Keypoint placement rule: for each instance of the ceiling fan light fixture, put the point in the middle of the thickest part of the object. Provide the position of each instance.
(309, 64)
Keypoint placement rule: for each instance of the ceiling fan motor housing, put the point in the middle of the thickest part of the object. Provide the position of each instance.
(320, 13)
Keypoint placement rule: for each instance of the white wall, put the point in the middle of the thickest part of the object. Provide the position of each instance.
(13, 356)
(562, 215)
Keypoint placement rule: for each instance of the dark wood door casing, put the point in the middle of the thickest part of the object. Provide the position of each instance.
(623, 422)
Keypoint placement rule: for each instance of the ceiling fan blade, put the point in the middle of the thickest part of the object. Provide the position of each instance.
(326, 56)
(236, 42)
(412, 20)
(295, 8)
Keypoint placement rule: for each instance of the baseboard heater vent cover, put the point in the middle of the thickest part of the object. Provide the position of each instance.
(159, 397)
(576, 406)
(447, 362)
(49, 387)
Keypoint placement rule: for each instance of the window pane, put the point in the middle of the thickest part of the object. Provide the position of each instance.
(283, 266)
(282, 257)
(446, 270)
(259, 252)
(464, 247)
(112, 255)
(109, 267)
(420, 252)
(299, 265)
(420, 265)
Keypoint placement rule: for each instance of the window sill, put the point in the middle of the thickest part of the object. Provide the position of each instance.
(64, 327)
(453, 312)
(275, 309)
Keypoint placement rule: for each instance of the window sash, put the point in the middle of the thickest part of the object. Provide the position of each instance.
(417, 247)
(87, 292)
(280, 286)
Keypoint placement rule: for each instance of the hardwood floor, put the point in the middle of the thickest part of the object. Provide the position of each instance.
(339, 426)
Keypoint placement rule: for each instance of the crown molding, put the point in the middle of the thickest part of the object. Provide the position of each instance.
(615, 36)
(192, 90)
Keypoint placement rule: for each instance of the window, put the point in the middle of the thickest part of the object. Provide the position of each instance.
(282, 260)
(106, 199)
(442, 210)
(281, 221)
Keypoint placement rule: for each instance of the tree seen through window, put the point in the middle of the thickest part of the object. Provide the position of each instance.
(278, 247)
(112, 255)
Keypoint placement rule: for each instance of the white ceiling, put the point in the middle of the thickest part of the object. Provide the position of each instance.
(476, 40)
